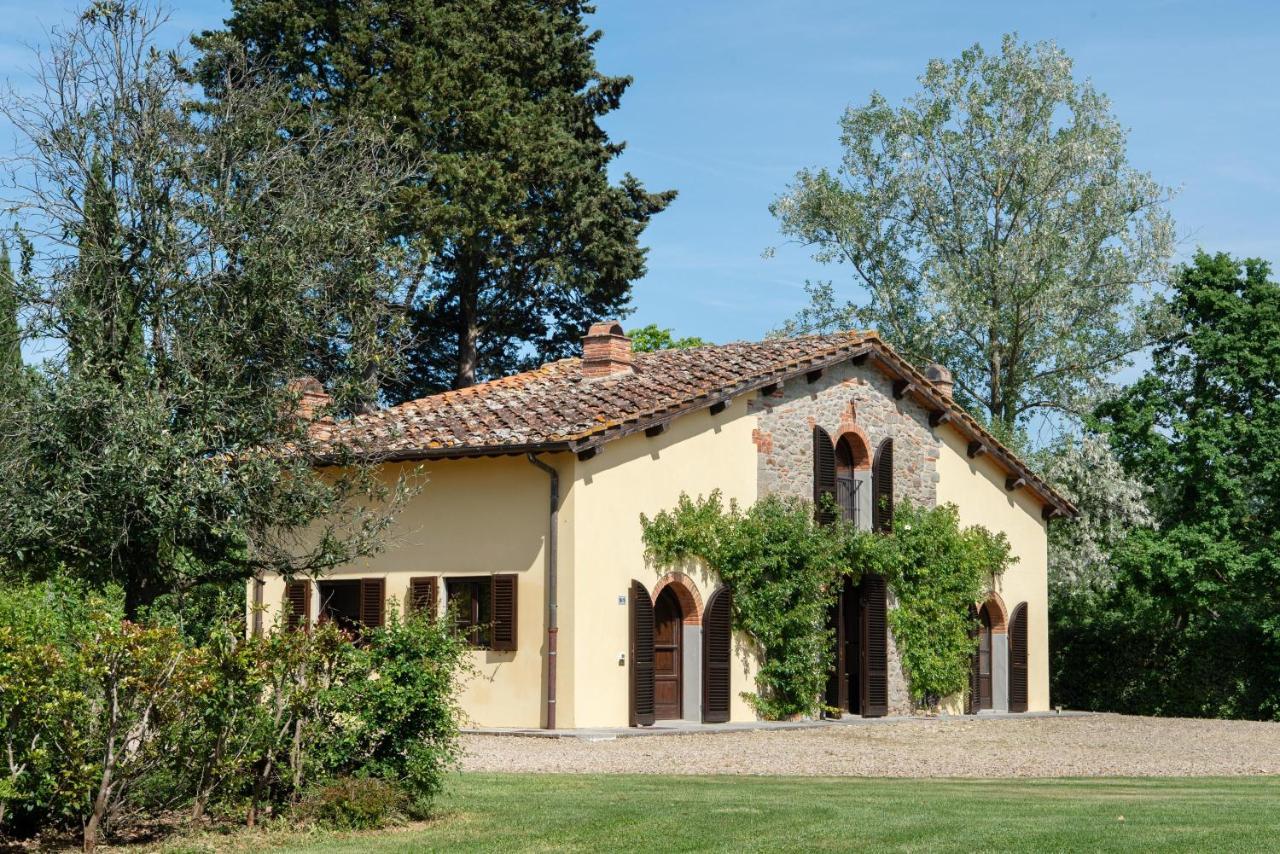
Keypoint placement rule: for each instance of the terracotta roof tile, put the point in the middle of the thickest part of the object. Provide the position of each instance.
(555, 408)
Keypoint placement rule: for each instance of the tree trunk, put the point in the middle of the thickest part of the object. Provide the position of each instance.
(468, 336)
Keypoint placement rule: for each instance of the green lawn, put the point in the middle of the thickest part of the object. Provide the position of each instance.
(494, 812)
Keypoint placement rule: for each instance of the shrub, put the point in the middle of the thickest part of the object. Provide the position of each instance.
(100, 716)
(354, 803)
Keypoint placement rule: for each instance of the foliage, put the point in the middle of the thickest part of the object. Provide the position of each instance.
(353, 803)
(108, 721)
(396, 717)
(1195, 599)
(10, 328)
(1111, 503)
(995, 226)
(783, 569)
(938, 570)
(528, 241)
(182, 266)
(648, 339)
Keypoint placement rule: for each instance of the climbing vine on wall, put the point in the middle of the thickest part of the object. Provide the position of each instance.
(783, 569)
(938, 569)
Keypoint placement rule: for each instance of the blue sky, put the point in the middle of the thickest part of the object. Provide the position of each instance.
(731, 98)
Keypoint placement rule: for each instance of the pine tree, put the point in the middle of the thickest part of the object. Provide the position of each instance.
(530, 242)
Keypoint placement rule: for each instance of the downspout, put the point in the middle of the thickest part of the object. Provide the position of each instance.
(552, 558)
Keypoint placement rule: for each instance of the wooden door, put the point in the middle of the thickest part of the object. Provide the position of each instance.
(668, 627)
(641, 656)
(717, 650)
(838, 678)
(873, 647)
(843, 682)
(984, 659)
(1018, 659)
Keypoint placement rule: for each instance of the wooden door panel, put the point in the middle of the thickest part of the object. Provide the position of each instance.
(668, 628)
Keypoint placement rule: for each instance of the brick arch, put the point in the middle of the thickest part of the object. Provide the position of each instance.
(999, 613)
(859, 444)
(686, 593)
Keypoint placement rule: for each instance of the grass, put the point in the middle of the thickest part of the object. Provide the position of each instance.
(495, 812)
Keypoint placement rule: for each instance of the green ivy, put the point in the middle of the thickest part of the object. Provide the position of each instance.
(939, 570)
(783, 569)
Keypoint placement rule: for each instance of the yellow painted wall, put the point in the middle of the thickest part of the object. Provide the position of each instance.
(698, 453)
(473, 517)
(490, 515)
(976, 487)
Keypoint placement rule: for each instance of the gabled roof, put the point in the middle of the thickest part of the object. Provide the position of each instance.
(554, 408)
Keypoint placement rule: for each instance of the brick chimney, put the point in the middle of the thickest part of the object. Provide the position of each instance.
(941, 378)
(312, 398)
(605, 351)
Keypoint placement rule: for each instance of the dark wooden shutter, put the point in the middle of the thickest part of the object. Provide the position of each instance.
(824, 476)
(297, 603)
(642, 712)
(1018, 659)
(717, 640)
(875, 648)
(259, 586)
(372, 599)
(503, 611)
(971, 698)
(882, 488)
(422, 595)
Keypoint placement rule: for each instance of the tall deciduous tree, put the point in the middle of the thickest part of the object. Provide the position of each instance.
(648, 339)
(530, 240)
(1111, 501)
(180, 267)
(1190, 626)
(995, 226)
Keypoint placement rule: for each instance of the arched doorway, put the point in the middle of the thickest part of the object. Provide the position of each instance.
(668, 655)
(989, 668)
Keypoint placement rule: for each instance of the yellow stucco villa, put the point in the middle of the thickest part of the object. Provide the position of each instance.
(529, 524)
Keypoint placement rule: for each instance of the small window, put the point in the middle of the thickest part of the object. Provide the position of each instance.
(469, 601)
(355, 605)
(340, 604)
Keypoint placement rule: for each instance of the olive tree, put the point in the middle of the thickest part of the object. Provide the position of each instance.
(995, 225)
(181, 263)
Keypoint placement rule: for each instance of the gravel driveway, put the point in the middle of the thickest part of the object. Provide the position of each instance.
(1095, 745)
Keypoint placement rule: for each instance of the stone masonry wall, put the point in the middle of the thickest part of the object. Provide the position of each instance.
(847, 399)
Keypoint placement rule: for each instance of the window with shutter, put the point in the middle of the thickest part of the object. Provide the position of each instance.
(641, 671)
(1018, 659)
(470, 603)
(372, 601)
(874, 647)
(422, 595)
(503, 609)
(297, 603)
(717, 643)
(882, 488)
(824, 476)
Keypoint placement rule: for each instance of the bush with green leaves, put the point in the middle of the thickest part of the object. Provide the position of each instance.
(105, 719)
(783, 569)
(353, 803)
